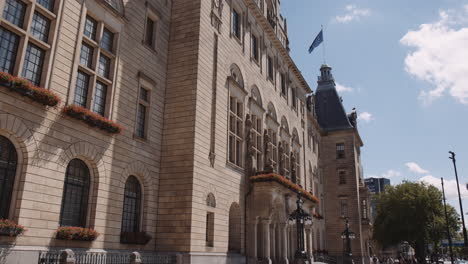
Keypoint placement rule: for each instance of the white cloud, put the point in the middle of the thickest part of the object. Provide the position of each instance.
(440, 56)
(391, 174)
(414, 167)
(342, 88)
(352, 13)
(366, 117)
(388, 174)
(450, 187)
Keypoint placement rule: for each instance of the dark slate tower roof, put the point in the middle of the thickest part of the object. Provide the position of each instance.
(331, 114)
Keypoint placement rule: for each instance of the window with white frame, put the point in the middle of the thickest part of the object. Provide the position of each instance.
(31, 24)
(141, 125)
(273, 147)
(95, 70)
(236, 110)
(297, 165)
(236, 23)
(257, 141)
(285, 158)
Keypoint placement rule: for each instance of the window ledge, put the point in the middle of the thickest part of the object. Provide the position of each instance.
(140, 139)
(236, 38)
(150, 48)
(234, 167)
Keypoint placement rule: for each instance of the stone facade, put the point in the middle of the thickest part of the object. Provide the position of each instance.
(208, 97)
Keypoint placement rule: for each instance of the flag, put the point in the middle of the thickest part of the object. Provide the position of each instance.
(318, 39)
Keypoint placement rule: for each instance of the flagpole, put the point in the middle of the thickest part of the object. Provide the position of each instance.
(323, 47)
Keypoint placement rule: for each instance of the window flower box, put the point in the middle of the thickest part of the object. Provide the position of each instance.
(5, 79)
(76, 233)
(286, 183)
(10, 228)
(139, 238)
(27, 89)
(92, 119)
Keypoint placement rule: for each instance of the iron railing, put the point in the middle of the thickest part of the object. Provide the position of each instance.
(82, 257)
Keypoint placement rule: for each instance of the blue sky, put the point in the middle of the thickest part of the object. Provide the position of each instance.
(404, 66)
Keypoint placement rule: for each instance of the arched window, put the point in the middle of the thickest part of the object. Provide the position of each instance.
(131, 205)
(75, 194)
(8, 162)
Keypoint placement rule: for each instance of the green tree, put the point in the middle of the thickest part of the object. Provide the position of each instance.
(412, 212)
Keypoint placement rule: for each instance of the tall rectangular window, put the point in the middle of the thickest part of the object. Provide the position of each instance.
(33, 61)
(90, 28)
(294, 98)
(255, 48)
(142, 113)
(343, 208)
(92, 67)
(235, 130)
(365, 214)
(273, 147)
(86, 55)
(40, 27)
(209, 230)
(49, 4)
(340, 151)
(150, 30)
(270, 67)
(257, 141)
(14, 12)
(283, 84)
(236, 27)
(100, 95)
(30, 25)
(342, 176)
(81, 89)
(104, 66)
(8, 50)
(107, 40)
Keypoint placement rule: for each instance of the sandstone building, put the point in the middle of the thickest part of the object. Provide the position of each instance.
(220, 131)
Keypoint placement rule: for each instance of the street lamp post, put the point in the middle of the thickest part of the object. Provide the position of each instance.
(301, 217)
(465, 237)
(347, 235)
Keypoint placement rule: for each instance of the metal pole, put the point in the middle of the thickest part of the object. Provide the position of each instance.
(446, 222)
(465, 237)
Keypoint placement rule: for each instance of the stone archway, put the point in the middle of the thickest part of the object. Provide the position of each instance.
(234, 242)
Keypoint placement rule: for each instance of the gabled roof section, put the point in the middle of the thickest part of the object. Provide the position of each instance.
(331, 114)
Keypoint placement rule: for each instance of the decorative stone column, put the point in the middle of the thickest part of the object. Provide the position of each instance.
(266, 240)
(253, 241)
(283, 256)
(272, 241)
(309, 244)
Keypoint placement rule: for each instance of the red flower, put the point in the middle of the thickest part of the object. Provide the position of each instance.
(92, 119)
(10, 228)
(285, 182)
(25, 88)
(76, 233)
